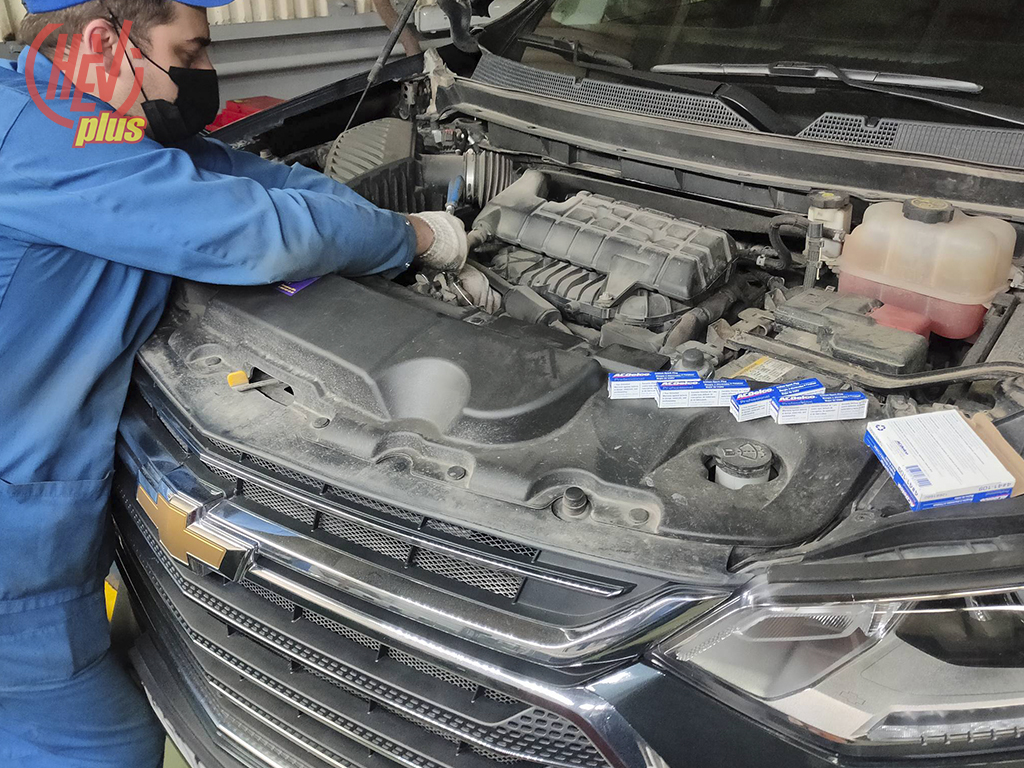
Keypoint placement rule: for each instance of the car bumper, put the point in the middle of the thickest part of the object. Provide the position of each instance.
(274, 666)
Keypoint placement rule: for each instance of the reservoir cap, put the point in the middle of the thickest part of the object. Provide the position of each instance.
(739, 462)
(828, 199)
(929, 210)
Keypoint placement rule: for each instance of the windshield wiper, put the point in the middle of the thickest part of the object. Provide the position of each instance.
(742, 101)
(997, 112)
(574, 50)
(822, 72)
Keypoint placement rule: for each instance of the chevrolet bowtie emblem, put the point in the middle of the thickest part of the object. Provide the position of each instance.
(180, 542)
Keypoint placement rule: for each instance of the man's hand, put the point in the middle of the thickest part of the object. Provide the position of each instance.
(440, 240)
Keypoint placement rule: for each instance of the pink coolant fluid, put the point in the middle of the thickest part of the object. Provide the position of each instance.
(929, 258)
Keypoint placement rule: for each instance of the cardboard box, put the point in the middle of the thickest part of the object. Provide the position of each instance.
(940, 458)
(633, 385)
(757, 404)
(699, 394)
(811, 409)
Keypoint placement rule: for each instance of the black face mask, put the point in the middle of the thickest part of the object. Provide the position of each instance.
(196, 106)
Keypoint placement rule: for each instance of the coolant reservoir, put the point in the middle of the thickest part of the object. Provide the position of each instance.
(925, 256)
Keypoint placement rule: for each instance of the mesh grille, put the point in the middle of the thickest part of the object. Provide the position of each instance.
(501, 583)
(534, 734)
(225, 448)
(221, 473)
(364, 537)
(280, 503)
(400, 656)
(285, 472)
(351, 729)
(496, 757)
(429, 669)
(485, 539)
(690, 108)
(267, 594)
(380, 506)
(338, 628)
(498, 582)
(279, 725)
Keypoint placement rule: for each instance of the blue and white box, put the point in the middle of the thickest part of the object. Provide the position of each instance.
(634, 385)
(757, 404)
(699, 394)
(937, 459)
(811, 409)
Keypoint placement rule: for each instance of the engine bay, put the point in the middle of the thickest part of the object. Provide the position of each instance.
(483, 391)
(639, 288)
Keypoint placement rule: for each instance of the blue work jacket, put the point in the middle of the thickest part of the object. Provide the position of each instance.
(90, 240)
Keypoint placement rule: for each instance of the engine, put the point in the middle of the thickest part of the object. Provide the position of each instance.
(638, 287)
(600, 260)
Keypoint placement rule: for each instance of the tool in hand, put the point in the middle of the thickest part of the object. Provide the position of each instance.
(455, 187)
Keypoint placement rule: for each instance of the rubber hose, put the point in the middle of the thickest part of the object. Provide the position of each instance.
(784, 257)
(689, 326)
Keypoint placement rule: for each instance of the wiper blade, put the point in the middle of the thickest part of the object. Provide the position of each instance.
(822, 72)
(574, 50)
(997, 112)
(751, 108)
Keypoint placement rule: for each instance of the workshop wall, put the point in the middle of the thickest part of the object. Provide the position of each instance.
(280, 48)
(238, 12)
(11, 12)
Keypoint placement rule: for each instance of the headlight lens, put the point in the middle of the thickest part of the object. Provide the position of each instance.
(888, 675)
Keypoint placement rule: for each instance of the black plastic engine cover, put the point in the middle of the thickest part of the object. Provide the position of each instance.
(524, 415)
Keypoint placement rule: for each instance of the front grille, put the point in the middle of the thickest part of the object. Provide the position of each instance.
(368, 642)
(332, 492)
(495, 582)
(258, 620)
(504, 584)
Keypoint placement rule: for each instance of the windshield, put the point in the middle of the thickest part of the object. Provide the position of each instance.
(974, 40)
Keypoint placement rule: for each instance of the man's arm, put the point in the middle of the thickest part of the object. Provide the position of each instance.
(150, 207)
(212, 155)
(216, 156)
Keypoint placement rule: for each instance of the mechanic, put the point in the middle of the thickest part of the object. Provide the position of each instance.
(90, 240)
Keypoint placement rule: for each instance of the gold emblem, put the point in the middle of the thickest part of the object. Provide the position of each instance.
(172, 524)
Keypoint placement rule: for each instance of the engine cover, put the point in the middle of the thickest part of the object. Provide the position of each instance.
(609, 258)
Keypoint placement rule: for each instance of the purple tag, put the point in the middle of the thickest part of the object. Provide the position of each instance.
(290, 289)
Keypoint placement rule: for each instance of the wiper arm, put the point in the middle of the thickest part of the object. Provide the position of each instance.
(574, 50)
(751, 108)
(822, 72)
(997, 112)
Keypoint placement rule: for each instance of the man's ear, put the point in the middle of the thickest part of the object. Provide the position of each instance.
(100, 38)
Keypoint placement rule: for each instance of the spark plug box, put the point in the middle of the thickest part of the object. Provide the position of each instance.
(939, 459)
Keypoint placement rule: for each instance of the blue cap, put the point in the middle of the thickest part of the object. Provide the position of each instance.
(43, 6)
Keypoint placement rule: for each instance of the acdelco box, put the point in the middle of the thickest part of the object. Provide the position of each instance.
(937, 459)
(811, 409)
(633, 385)
(757, 404)
(698, 393)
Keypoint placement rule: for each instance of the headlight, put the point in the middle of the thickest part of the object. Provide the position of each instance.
(890, 676)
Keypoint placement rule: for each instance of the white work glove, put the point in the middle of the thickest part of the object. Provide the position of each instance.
(450, 248)
(478, 290)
